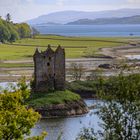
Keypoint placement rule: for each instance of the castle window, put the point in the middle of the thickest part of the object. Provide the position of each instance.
(48, 64)
(49, 58)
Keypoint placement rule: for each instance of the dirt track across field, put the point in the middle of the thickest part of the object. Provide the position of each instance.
(113, 54)
(121, 51)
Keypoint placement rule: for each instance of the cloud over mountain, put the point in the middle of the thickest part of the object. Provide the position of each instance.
(21, 10)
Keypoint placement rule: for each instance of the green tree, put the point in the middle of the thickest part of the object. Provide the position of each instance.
(8, 31)
(14, 36)
(119, 110)
(121, 107)
(24, 30)
(13, 33)
(4, 33)
(8, 17)
(16, 119)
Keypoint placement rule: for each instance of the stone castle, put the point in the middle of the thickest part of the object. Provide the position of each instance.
(49, 70)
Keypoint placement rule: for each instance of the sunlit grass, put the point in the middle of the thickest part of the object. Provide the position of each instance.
(56, 97)
(75, 47)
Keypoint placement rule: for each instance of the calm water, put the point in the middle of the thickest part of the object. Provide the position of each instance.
(91, 30)
(70, 127)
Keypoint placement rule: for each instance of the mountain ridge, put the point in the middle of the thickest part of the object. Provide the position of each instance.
(64, 17)
(100, 21)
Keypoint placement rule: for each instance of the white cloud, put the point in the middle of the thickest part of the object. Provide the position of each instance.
(8, 6)
(60, 2)
(29, 0)
(22, 10)
(8, 2)
(134, 1)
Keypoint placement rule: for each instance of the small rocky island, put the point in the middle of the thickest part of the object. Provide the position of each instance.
(48, 93)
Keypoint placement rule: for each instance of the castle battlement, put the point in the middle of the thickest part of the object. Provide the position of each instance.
(49, 69)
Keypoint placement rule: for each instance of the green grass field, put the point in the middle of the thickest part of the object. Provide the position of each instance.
(15, 65)
(75, 47)
(56, 97)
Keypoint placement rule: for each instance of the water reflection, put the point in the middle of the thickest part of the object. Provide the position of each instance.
(133, 57)
(70, 127)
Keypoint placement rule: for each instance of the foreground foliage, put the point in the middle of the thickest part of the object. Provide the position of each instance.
(16, 119)
(86, 134)
(84, 86)
(120, 109)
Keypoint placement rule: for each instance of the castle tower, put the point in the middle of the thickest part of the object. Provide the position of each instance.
(59, 68)
(37, 72)
(49, 70)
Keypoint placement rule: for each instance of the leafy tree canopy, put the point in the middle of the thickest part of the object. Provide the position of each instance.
(119, 109)
(10, 32)
(16, 119)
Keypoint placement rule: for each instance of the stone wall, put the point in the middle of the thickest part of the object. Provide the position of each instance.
(59, 68)
(49, 70)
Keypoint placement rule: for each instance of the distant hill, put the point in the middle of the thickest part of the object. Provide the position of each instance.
(101, 21)
(64, 17)
(48, 23)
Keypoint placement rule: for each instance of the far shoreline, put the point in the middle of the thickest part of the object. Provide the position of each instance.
(104, 30)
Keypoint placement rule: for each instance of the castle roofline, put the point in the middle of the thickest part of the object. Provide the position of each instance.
(59, 48)
(49, 50)
(36, 52)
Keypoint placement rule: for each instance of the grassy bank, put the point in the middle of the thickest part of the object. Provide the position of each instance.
(75, 47)
(86, 89)
(15, 65)
(53, 98)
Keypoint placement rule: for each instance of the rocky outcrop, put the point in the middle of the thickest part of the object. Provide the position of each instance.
(105, 66)
(70, 108)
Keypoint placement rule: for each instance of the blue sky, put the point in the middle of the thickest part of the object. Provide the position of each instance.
(22, 10)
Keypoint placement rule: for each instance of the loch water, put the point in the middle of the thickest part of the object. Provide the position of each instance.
(122, 30)
(69, 127)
